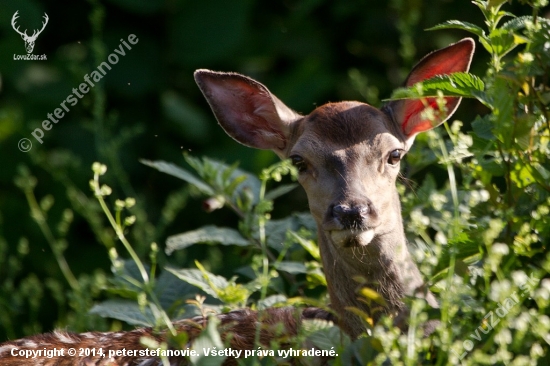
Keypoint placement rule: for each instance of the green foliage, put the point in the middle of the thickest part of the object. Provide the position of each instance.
(458, 84)
(490, 242)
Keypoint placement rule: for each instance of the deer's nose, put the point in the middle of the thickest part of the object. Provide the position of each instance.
(350, 216)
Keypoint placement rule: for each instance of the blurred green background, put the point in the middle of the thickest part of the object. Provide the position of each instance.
(148, 107)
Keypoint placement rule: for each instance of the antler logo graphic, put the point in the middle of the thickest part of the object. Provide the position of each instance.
(29, 40)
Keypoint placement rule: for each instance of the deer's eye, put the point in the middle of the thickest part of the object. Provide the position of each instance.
(299, 163)
(395, 157)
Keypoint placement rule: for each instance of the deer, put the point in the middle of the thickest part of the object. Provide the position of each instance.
(347, 155)
(29, 40)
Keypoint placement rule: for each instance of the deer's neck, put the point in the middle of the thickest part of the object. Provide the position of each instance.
(386, 266)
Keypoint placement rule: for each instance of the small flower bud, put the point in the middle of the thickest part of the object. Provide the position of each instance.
(93, 185)
(105, 190)
(99, 168)
(213, 203)
(129, 220)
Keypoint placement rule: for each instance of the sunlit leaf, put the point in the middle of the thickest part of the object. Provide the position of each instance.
(308, 245)
(517, 23)
(458, 84)
(373, 295)
(456, 24)
(495, 3)
(197, 278)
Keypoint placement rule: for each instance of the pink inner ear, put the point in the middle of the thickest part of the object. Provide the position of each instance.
(444, 67)
(247, 113)
(443, 62)
(412, 122)
(454, 58)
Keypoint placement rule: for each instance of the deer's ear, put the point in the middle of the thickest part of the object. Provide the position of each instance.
(408, 113)
(247, 110)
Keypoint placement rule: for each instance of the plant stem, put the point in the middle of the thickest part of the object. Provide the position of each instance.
(39, 217)
(147, 285)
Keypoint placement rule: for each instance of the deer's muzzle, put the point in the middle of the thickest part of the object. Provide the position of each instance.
(352, 224)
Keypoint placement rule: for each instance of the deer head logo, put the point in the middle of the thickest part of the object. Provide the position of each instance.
(29, 40)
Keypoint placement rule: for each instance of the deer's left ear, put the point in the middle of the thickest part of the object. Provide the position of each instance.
(247, 110)
(408, 113)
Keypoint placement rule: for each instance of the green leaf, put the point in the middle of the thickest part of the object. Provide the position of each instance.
(541, 171)
(522, 175)
(495, 3)
(456, 24)
(370, 294)
(308, 245)
(180, 173)
(223, 178)
(316, 325)
(502, 111)
(276, 229)
(489, 165)
(127, 279)
(324, 334)
(362, 351)
(458, 84)
(279, 191)
(125, 310)
(504, 41)
(210, 340)
(482, 128)
(271, 301)
(235, 183)
(172, 292)
(196, 278)
(292, 267)
(207, 234)
(462, 247)
(517, 23)
(486, 43)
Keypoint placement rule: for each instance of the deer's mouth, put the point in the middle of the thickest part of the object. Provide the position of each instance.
(351, 238)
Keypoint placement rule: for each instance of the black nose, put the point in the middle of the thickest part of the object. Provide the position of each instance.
(350, 216)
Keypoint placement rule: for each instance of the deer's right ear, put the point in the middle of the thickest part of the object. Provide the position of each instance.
(247, 110)
(408, 113)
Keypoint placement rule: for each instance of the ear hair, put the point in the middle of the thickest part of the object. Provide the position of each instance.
(247, 110)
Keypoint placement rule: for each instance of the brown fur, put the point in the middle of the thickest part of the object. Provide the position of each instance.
(238, 328)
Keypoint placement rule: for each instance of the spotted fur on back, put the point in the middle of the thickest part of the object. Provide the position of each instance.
(238, 328)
